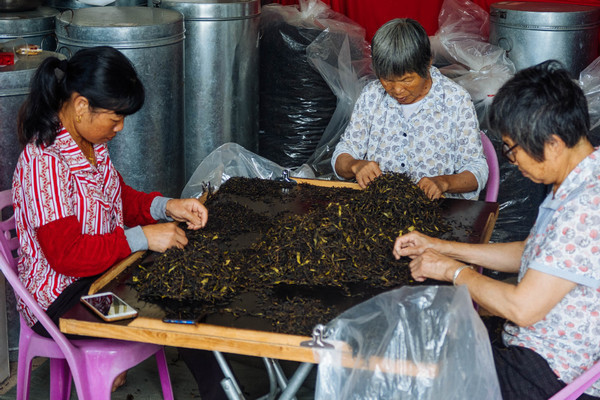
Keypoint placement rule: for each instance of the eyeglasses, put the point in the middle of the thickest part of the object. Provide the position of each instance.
(507, 151)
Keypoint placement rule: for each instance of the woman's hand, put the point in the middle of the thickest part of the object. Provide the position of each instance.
(412, 244)
(162, 237)
(434, 187)
(431, 264)
(365, 172)
(191, 211)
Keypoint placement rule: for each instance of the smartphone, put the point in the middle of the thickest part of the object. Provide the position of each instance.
(109, 306)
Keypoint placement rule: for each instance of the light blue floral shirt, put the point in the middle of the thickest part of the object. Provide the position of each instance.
(564, 242)
(440, 138)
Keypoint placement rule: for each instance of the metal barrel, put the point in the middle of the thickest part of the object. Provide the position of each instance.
(221, 75)
(14, 88)
(34, 27)
(535, 32)
(64, 5)
(149, 150)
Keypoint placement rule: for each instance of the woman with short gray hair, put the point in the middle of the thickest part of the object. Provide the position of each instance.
(412, 119)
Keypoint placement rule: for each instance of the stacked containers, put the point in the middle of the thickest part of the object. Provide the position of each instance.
(221, 75)
(149, 150)
(34, 27)
(535, 32)
(14, 88)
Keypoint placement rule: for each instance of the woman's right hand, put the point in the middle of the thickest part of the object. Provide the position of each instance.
(413, 244)
(164, 236)
(365, 172)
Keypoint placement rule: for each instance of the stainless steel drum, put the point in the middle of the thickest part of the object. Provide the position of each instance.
(221, 75)
(534, 32)
(14, 88)
(64, 5)
(149, 150)
(35, 27)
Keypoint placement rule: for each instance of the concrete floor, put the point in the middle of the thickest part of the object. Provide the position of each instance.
(143, 383)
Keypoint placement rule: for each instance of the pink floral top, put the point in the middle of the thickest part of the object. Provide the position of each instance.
(564, 243)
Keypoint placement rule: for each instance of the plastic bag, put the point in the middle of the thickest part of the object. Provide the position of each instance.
(231, 159)
(411, 343)
(462, 41)
(482, 68)
(589, 80)
(296, 104)
(343, 60)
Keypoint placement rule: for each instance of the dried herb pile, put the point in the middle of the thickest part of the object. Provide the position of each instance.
(287, 243)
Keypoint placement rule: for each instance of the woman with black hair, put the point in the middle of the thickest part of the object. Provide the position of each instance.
(71, 205)
(553, 311)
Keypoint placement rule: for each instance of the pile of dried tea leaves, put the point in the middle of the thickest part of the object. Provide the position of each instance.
(285, 242)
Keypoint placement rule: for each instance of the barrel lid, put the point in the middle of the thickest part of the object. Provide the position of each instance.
(213, 9)
(18, 23)
(540, 15)
(40, 12)
(18, 75)
(118, 25)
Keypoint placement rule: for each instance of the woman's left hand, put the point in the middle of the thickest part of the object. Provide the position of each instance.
(191, 211)
(434, 187)
(434, 265)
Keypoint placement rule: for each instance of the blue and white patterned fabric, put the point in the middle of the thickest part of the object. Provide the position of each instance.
(440, 138)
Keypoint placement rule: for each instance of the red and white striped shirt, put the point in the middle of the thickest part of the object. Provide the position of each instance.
(70, 216)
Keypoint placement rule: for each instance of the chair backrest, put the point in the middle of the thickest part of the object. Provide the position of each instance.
(9, 242)
(8, 264)
(493, 183)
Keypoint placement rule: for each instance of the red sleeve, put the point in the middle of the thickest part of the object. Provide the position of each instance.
(136, 205)
(72, 253)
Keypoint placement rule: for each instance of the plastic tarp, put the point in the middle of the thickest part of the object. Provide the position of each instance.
(462, 52)
(589, 80)
(297, 101)
(410, 343)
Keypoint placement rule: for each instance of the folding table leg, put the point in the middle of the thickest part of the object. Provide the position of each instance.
(229, 384)
(296, 381)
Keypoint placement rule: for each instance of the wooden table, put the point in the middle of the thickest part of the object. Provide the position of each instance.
(478, 218)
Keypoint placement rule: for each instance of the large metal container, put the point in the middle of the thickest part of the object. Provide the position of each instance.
(14, 88)
(149, 150)
(534, 32)
(221, 75)
(34, 27)
(64, 5)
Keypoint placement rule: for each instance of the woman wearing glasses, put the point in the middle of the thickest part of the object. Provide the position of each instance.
(412, 119)
(553, 312)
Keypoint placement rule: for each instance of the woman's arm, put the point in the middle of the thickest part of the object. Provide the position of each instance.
(72, 253)
(504, 257)
(352, 146)
(136, 205)
(364, 171)
(525, 303)
(435, 186)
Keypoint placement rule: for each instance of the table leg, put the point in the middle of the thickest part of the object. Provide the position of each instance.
(229, 384)
(296, 381)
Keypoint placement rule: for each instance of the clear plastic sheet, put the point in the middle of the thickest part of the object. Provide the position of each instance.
(589, 80)
(410, 343)
(344, 62)
(461, 50)
(231, 159)
(296, 104)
